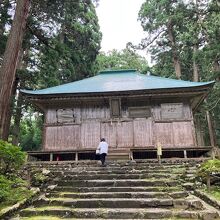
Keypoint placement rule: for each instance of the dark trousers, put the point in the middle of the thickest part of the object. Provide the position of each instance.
(102, 158)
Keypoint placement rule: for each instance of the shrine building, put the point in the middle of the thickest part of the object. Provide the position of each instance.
(132, 111)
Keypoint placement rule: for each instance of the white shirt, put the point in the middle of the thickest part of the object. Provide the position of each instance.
(103, 147)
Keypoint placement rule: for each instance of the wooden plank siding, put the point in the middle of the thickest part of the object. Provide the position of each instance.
(163, 134)
(64, 137)
(143, 132)
(90, 134)
(125, 134)
(109, 132)
(182, 134)
(172, 128)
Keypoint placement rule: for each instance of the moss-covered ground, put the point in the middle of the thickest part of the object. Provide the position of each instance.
(12, 190)
(214, 192)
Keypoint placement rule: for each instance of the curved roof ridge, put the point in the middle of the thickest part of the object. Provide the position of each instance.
(107, 71)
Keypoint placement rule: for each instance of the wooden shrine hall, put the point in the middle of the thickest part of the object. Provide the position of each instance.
(132, 111)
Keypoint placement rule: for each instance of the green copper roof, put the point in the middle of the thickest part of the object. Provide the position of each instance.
(116, 81)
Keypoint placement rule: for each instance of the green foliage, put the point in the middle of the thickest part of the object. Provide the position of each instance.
(72, 41)
(5, 20)
(4, 188)
(209, 167)
(31, 133)
(124, 59)
(214, 192)
(11, 158)
(12, 190)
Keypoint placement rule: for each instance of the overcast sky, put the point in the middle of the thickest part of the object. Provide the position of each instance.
(118, 23)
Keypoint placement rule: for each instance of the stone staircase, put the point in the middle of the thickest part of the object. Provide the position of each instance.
(121, 190)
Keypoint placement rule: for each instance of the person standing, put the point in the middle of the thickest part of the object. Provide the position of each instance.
(103, 150)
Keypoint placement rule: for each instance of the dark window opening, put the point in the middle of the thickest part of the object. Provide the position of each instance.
(194, 153)
(145, 155)
(172, 154)
(63, 157)
(87, 156)
(40, 157)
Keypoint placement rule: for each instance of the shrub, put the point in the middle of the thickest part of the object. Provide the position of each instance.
(208, 168)
(5, 186)
(11, 158)
(12, 190)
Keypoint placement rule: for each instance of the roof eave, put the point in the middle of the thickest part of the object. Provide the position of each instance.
(146, 91)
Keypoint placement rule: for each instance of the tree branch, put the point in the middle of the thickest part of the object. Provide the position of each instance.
(144, 46)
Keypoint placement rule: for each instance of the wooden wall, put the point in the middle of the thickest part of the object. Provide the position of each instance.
(171, 124)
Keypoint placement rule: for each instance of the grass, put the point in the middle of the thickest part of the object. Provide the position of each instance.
(43, 208)
(41, 218)
(214, 192)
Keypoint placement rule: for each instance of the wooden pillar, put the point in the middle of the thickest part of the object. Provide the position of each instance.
(185, 153)
(131, 155)
(76, 157)
(51, 156)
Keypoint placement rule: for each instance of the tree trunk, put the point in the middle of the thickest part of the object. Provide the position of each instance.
(176, 61)
(9, 113)
(8, 69)
(216, 69)
(195, 65)
(13, 95)
(199, 132)
(211, 129)
(17, 119)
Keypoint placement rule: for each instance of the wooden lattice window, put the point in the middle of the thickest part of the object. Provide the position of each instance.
(115, 106)
(139, 112)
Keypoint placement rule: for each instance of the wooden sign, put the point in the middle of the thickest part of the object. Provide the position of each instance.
(172, 111)
(159, 149)
(65, 116)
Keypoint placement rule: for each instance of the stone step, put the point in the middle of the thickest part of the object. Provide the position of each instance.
(85, 172)
(152, 213)
(94, 163)
(174, 195)
(106, 203)
(117, 183)
(109, 164)
(107, 167)
(194, 204)
(117, 176)
(57, 218)
(98, 213)
(60, 218)
(116, 189)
